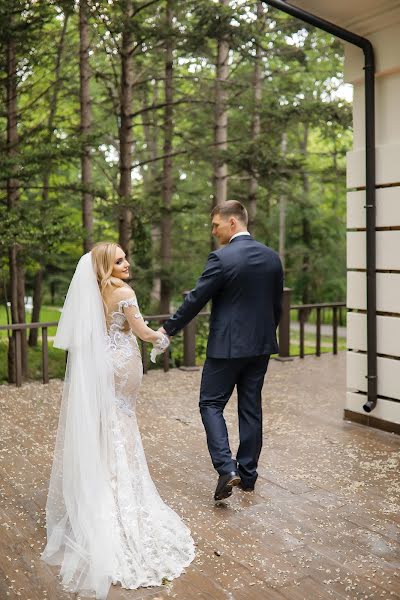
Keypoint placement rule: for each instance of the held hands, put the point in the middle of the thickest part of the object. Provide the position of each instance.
(160, 345)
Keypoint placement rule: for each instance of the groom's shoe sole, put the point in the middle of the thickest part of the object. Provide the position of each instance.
(225, 485)
(246, 488)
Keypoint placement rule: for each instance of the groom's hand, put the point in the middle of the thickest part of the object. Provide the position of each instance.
(163, 331)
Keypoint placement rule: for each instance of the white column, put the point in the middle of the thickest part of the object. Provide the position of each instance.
(387, 47)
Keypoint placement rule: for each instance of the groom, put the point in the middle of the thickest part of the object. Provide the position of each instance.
(244, 280)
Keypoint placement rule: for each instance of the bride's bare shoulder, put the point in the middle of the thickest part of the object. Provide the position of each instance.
(123, 292)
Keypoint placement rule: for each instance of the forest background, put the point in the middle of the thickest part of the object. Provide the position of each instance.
(129, 121)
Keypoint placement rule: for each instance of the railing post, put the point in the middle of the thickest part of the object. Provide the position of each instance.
(18, 358)
(45, 355)
(334, 327)
(318, 333)
(284, 325)
(166, 360)
(189, 342)
(301, 319)
(144, 357)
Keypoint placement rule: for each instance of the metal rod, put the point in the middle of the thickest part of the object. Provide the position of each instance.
(370, 176)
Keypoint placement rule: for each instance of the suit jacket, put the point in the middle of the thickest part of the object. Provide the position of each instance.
(244, 280)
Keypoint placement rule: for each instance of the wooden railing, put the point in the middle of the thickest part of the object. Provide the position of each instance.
(304, 311)
(18, 330)
(189, 335)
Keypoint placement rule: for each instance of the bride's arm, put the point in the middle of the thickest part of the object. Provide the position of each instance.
(127, 302)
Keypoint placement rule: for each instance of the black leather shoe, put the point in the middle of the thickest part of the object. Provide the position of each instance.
(246, 488)
(225, 485)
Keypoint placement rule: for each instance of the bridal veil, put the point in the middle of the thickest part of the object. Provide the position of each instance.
(80, 532)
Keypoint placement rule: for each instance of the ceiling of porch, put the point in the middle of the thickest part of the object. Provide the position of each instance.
(361, 16)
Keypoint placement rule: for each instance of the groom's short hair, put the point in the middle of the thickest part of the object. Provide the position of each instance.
(231, 208)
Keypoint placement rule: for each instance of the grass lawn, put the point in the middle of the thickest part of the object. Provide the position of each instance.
(48, 314)
(56, 362)
(310, 343)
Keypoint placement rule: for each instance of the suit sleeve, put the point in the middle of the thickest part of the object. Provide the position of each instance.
(209, 283)
(278, 295)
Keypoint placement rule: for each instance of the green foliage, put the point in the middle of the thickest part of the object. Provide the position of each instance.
(302, 72)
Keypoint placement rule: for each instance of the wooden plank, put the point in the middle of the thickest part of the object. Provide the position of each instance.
(323, 500)
(332, 577)
(26, 575)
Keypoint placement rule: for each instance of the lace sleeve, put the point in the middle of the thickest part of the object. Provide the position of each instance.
(130, 307)
(130, 302)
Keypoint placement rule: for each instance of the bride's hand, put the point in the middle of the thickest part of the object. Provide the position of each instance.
(159, 346)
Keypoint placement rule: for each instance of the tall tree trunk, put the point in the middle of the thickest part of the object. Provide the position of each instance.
(256, 124)
(86, 119)
(221, 119)
(125, 130)
(151, 181)
(305, 222)
(16, 270)
(38, 279)
(282, 209)
(167, 182)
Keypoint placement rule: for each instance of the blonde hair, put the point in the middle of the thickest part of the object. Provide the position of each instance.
(103, 259)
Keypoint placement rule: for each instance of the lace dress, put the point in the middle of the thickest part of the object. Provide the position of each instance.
(154, 543)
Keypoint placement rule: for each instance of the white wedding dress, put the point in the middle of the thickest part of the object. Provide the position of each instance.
(112, 527)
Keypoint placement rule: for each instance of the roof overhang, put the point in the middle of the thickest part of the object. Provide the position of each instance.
(360, 16)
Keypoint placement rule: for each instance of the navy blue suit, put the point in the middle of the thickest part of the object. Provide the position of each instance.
(244, 280)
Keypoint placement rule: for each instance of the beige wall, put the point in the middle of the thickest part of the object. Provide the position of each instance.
(379, 21)
(387, 46)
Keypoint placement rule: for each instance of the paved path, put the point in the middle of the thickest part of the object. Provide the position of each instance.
(323, 523)
(325, 329)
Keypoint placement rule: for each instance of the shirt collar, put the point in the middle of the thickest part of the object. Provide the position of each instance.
(239, 233)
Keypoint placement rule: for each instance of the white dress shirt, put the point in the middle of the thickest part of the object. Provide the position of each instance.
(239, 233)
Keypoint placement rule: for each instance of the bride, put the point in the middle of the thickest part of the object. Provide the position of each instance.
(106, 523)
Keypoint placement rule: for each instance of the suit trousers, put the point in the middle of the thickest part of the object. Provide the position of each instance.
(219, 378)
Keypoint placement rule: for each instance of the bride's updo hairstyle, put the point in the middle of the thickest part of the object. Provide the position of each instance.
(103, 258)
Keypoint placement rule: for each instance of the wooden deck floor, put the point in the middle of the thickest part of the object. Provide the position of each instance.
(322, 524)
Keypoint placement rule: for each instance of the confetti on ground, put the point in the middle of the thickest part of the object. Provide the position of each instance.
(323, 522)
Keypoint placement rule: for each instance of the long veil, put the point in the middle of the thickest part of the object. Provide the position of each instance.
(80, 532)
